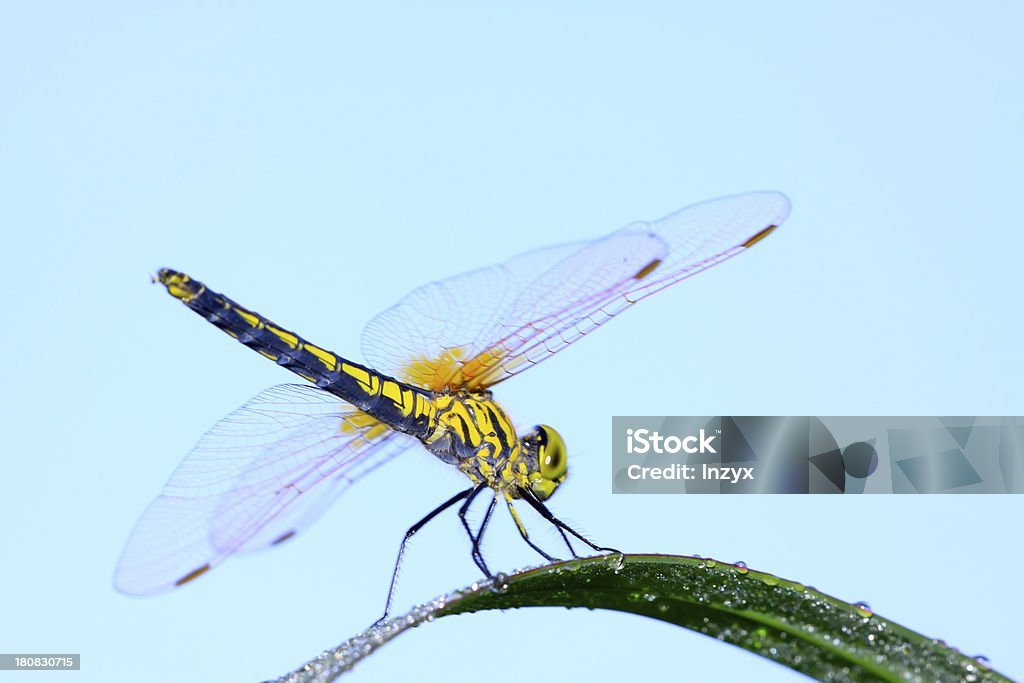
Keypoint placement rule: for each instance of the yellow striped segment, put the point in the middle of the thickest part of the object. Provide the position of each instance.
(253, 320)
(358, 374)
(392, 390)
(179, 285)
(369, 383)
(325, 357)
(284, 335)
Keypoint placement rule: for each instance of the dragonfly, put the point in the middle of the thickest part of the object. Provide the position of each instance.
(269, 470)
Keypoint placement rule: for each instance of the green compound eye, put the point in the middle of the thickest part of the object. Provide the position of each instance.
(551, 453)
(552, 461)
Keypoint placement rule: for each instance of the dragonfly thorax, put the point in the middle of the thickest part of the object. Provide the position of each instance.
(472, 431)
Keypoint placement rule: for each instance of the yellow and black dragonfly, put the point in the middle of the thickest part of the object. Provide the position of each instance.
(271, 468)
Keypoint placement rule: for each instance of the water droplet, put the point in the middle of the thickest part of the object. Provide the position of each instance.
(710, 564)
(741, 567)
(617, 561)
(863, 608)
(982, 659)
(663, 607)
(500, 583)
(635, 597)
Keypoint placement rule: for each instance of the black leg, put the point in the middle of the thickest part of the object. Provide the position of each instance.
(566, 539)
(412, 532)
(478, 555)
(477, 559)
(528, 496)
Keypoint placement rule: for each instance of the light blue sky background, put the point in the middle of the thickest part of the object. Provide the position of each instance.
(317, 162)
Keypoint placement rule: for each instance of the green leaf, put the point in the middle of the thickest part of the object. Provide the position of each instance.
(784, 621)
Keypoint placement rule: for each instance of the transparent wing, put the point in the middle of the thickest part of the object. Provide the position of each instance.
(480, 328)
(262, 474)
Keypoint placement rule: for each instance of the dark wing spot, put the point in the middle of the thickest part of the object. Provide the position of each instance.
(192, 575)
(647, 270)
(283, 537)
(759, 236)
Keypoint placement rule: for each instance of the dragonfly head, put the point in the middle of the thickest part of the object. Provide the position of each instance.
(545, 451)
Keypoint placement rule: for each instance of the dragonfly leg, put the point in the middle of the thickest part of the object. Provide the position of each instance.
(470, 492)
(526, 536)
(566, 539)
(475, 539)
(542, 509)
(478, 555)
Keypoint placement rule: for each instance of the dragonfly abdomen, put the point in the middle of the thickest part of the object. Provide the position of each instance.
(401, 406)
